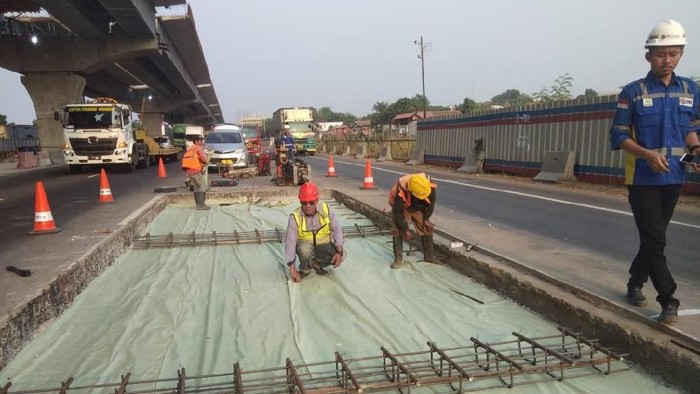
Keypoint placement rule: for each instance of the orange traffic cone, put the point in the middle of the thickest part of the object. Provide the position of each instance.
(43, 220)
(105, 191)
(369, 180)
(161, 169)
(331, 167)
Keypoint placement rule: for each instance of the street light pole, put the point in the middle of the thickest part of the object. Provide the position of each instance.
(422, 69)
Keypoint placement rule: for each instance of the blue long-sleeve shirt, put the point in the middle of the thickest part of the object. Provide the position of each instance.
(657, 117)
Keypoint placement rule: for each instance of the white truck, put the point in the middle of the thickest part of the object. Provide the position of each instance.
(101, 132)
(301, 126)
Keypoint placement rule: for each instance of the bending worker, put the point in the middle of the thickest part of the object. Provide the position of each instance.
(412, 197)
(194, 162)
(314, 233)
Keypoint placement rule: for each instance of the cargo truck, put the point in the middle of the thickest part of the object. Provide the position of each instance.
(301, 126)
(101, 132)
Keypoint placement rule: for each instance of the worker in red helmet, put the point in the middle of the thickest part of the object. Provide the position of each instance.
(314, 234)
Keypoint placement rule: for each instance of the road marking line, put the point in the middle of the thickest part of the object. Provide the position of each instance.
(554, 200)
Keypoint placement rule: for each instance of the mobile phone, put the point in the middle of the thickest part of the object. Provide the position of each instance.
(690, 158)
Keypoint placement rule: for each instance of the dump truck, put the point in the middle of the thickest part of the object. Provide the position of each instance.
(101, 132)
(301, 126)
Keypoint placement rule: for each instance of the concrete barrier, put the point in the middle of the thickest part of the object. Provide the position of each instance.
(417, 157)
(44, 158)
(347, 153)
(557, 166)
(385, 154)
(473, 165)
(26, 160)
(364, 151)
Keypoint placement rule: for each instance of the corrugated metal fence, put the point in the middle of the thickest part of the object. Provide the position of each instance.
(516, 138)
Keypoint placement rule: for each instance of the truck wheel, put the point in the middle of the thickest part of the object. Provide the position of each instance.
(145, 162)
(131, 167)
(75, 169)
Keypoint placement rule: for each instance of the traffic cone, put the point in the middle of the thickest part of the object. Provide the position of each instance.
(43, 220)
(105, 191)
(161, 169)
(369, 180)
(331, 168)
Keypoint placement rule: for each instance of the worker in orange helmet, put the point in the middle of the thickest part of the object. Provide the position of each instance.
(412, 198)
(314, 234)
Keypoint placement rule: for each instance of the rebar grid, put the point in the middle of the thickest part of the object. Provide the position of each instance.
(475, 367)
(171, 240)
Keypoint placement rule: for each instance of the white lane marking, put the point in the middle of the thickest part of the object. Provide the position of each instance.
(93, 175)
(554, 200)
(684, 312)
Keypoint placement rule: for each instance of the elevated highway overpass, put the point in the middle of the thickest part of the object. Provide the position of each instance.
(130, 50)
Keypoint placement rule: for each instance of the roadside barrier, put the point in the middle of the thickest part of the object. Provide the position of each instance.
(331, 168)
(369, 179)
(557, 166)
(417, 157)
(385, 154)
(105, 191)
(43, 220)
(26, 160)
(161, 169)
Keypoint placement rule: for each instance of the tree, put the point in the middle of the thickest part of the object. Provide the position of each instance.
(469, 105)
(384, 112)
(561, 90)
(511, 97)
(3, 119)
(588, 94)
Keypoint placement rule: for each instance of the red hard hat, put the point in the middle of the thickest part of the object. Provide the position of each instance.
(308, 192)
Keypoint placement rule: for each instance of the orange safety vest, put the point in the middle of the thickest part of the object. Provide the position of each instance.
(401, 188)
(190, 160)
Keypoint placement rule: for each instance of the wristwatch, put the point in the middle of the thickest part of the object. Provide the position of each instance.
(339, 251)
(291, 263)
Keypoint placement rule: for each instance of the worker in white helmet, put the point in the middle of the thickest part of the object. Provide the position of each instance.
(655, 123)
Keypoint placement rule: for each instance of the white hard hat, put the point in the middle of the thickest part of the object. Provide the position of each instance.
(666, 33)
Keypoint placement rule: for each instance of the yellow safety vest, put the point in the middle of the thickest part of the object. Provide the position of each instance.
(320, 236)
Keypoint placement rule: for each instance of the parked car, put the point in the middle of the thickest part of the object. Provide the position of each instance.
(226, 143)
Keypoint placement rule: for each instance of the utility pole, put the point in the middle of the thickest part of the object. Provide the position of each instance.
(422, 68)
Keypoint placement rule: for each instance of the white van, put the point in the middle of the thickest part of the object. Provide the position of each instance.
(225, 142)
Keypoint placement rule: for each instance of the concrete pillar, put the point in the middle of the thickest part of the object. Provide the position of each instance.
(153, 123)
(50, 92)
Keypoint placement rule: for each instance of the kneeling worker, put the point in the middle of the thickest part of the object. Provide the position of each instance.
(194, 162)
(314, 233)
(412, 197)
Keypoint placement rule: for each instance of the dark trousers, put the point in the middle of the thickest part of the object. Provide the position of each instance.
(653, 207)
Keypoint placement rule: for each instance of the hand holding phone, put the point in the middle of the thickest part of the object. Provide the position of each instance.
(690, 158)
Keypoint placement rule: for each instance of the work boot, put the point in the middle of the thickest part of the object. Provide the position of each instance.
(429, 249)
(669, 314)
(317, 267)
(398, 252)
(635, 296)
(199, 198)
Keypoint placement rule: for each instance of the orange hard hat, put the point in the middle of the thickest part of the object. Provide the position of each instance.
(308, 192)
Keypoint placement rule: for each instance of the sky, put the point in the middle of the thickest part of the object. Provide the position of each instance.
(349, 55)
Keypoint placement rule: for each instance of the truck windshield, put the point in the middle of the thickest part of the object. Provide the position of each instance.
(249, 131)
(91, 118)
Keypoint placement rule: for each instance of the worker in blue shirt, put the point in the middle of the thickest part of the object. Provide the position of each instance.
(288, 142)
(655, 123)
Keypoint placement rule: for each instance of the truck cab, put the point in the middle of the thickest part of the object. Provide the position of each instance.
(101, 132)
